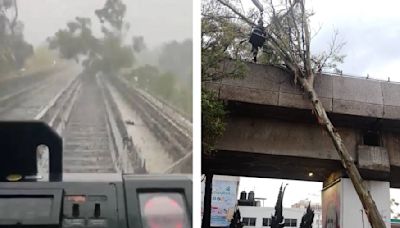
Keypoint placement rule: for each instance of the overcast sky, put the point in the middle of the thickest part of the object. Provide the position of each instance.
(158, 21)
(371, 31)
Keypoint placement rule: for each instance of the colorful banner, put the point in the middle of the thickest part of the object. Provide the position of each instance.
(224, 198)
(223, 201)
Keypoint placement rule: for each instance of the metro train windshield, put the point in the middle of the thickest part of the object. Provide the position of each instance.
(113, 78)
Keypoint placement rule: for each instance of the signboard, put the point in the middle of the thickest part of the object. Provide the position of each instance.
(223, 200)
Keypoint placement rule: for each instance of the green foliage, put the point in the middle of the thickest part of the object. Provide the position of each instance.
(107, 54)
(169, 77)
(236, 220)
(176, 57)
(138, 44)
(145, 75)
(112, 14)
(14, 50)
(115, 55)
(212, 120)
(42, 58)
(21, 50)
(222, 38)
(184, 98)
(75, 41)
(164, 86)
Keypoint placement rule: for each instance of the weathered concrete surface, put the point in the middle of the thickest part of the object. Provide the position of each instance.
(391, 101)
(268, 147)
(269, 85)
(373, 158)
(265, 136)
(274, 137)
(391, 141)
(271, 131)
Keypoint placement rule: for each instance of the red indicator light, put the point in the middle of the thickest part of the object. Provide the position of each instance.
(77, 199)
(162, 205)
(163, 212)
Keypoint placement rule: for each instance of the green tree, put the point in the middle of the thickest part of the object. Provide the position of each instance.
(165, 85)
(107, 54)
(277, 220)
(43, 57)
(308, 218)
(236, 220)
(144, 76)
(138, 44)
(176, 58)
(76, 41)
(221, 38)
(212, 120)
(14, 50)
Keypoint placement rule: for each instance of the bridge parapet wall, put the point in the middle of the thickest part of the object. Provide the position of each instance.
(270, 85)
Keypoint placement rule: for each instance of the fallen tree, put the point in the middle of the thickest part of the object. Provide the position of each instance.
(288, 38)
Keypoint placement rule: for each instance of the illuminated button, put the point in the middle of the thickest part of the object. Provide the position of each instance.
(76, 199)
(97, 223)
(14, 177)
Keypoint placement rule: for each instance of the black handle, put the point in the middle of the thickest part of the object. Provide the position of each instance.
(18, 144)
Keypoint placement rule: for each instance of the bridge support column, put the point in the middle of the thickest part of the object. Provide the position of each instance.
(342, 208)
(206, 220)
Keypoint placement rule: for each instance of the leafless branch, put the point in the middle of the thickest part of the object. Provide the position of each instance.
(244, 18)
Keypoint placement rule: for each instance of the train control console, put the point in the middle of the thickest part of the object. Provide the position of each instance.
(28, 199)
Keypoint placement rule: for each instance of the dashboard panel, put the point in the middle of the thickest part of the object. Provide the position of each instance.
(98, 200)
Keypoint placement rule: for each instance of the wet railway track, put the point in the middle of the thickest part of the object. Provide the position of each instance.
(88, 143)
(19, 105)
(81, 109)
(12, 86)
(174, 135)
(74, 106)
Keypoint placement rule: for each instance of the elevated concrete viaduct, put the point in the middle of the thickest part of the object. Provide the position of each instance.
(271, 131)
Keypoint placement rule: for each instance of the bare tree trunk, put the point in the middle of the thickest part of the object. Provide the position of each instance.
(368, 203)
